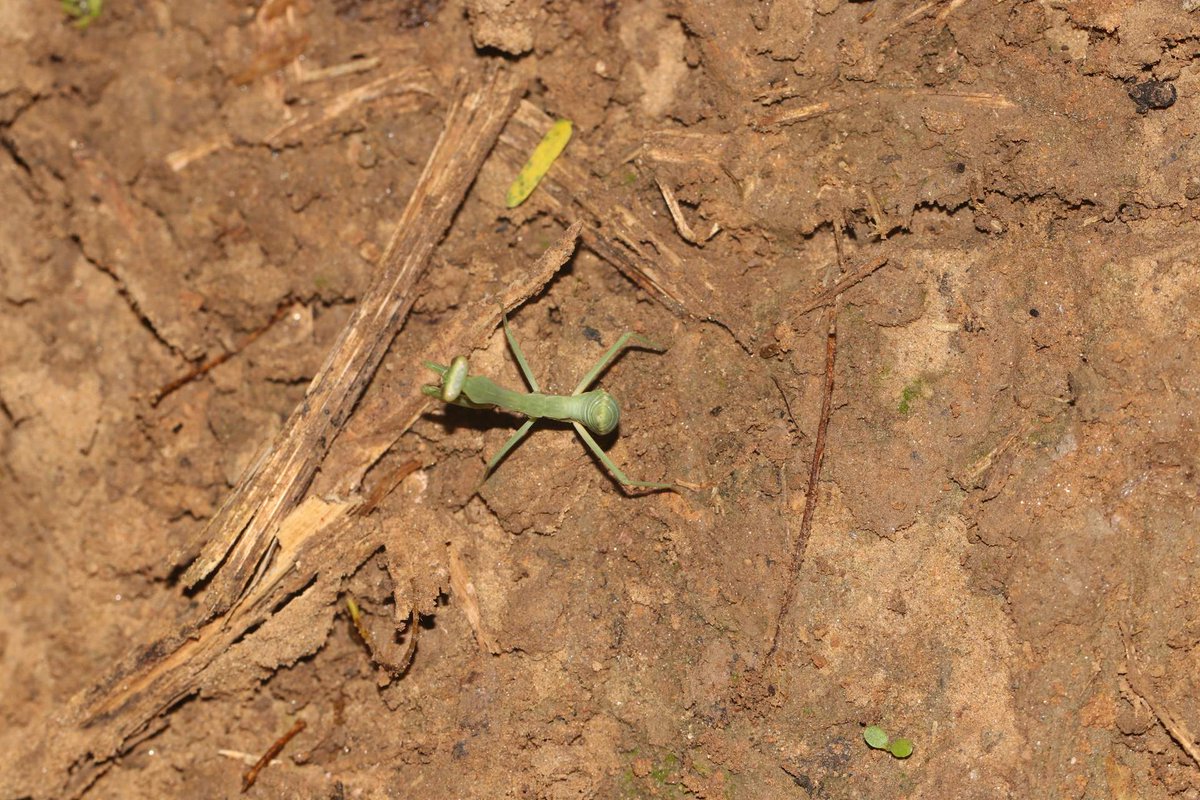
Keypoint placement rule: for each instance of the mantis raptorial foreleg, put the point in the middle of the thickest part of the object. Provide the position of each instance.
(594, 411)
(533, 384)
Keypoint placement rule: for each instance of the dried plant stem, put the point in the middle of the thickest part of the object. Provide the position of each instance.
(240, 535)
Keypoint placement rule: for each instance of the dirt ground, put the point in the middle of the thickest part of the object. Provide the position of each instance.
(1004, 532)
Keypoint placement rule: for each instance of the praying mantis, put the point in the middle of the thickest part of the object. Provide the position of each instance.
(595, 411)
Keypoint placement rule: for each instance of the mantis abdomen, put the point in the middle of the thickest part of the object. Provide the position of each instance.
(596, 410)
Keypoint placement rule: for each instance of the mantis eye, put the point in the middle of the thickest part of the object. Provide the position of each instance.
(601, 414)
(452, 381)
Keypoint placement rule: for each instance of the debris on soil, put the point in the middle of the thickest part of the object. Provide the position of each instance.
(981, 199)
(1153, 95)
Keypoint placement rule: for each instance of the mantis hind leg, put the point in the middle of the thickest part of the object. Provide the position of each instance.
(609, 355)
(503, 451)
(613, 468)
(516, 348)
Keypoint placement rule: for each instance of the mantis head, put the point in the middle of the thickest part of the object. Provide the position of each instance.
(453, 378)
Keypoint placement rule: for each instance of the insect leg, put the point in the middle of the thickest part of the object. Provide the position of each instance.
(509, 445)
(607, 358)
(516, 348)
(617, 473)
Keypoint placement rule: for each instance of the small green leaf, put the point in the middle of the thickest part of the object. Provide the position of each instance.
(83, 11)
(901, 748)
(539, 163)
(876, 737)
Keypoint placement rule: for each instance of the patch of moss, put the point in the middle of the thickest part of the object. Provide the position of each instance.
(669, 764)
(909, 395)
(662, 781)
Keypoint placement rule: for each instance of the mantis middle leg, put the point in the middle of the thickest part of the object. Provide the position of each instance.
(533, 384)
(516, 348)
(509, 445)
(607, 358)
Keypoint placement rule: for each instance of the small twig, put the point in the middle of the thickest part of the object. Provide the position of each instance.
(252, 775)
(794, 115)
(830, 294)
(800, 546)
(949, 9)
(208, 366)
(787, 405)
(814, 474)
(387, 486)
(681, 223)
(248, 759)
(1175, 727)
(916, 12)
(886, 93)
(340, 70)
(178, 160)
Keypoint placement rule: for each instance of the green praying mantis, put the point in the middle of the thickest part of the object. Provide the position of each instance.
(588, 412)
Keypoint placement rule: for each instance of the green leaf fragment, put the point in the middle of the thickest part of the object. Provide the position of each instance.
(901, 748)
(876, 737)
(83, 11)
(539, 163)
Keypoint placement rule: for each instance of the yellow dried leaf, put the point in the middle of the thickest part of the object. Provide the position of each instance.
(540, 161)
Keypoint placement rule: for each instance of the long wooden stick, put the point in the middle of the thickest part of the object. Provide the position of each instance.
(240, 536)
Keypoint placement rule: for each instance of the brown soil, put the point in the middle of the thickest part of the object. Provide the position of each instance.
(1003, 538)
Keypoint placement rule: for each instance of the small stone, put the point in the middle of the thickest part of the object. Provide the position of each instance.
(1153, 95)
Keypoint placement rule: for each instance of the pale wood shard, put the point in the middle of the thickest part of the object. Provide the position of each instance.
(351, 67)
(681, 223)
(464, 593)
